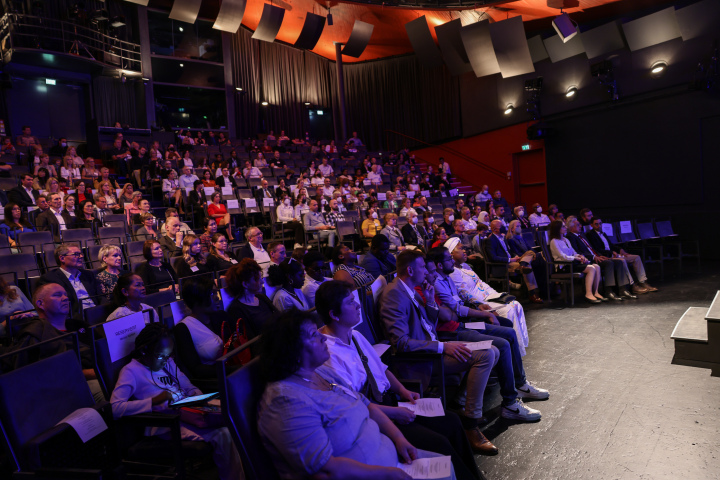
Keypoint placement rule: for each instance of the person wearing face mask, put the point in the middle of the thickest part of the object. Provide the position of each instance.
(371, 225)
(429, 223)
(538, 218)
(413, 184)
(397, 242)
(442, 183)
(289, 218)
(413, 232)
(315, 270)
(152, 380)
(519, 215)
(427, 185)
(448, 219)
(483, 195)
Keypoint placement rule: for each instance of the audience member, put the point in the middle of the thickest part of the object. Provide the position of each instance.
(314, 221)
(172, 241)
(379, 261)
(393, 233)
(315, 270)
(209, 230)
(288, 278)
(80, 284)
(414, 234)
(204, 324)
(218, 211)
(254, 248)
(250, 304)
(538, 218)
(14, 223)
(128, 294)
(290, 219)
(193, 261)
(24, 194)
(111, 260)
(562, 251)
(346, 268)
(219, 259)
(157, 274)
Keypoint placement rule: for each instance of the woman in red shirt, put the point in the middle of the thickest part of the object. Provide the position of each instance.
(219, 212)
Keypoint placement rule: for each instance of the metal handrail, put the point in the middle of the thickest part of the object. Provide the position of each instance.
(14, 26)
(448, 150)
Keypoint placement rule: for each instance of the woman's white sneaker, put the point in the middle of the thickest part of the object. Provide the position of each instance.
(520, 411)
(532, 392)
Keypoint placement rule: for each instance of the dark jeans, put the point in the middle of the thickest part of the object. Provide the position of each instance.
(511, 373)
(443, 435)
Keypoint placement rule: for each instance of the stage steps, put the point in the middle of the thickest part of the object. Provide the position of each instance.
(697, 337)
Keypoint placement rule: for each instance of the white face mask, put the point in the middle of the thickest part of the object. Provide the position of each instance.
(521, 213)
(431, 220)
(287, 202)
(485, 192)
(374, 215)
(451, 218)
(414, 220)
(414, 181)
(539, 209)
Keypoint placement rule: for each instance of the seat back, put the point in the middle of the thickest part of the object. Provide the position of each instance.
(82, 235)
(112, 233)
(107, 372)
(158, 299)
(37, 396)
(134, 249)
(627, 234)
(33, 239)
(377, 287)
(664, 228)
(240, 393)
(98, 314)
(646, 230)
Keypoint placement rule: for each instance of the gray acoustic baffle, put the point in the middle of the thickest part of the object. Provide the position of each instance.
(537, 49)
(359, 39)
(185, 10)
(270, 23)
(658, 27)
(699, 19)
(230, 15)
(511, 47)
(311, 31)
(479, 48)
(452, 48)
(603, 39)
(560, 51)
(422, 41)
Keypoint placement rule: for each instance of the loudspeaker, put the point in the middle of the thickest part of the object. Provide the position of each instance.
(270, 23)
(311, 31)
(565, 27)
(230, 15)
(359, 38)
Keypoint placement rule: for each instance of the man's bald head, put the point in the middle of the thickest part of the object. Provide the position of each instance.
(496, 226)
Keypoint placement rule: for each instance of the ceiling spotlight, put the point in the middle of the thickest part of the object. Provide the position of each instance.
(565, 27)
(658, 68)
(180, 28)
(509, 109)
(570, 93)
(182, 65)
(307, 104)
(264, 104)
(239, 89)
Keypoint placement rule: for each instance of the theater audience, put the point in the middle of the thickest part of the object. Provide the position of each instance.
(111, 260)
(152, 380)
(562, 251)
(128, 294)
(312, 428)
(538, 218)
(249, 303)
(219, 258)
(172, 241)
(80, 284)
(315, 271)
(288, 278)
(379, 261)
(157, 274)
(14, 223)
(24, 194)
(193, 261)
(203, 324)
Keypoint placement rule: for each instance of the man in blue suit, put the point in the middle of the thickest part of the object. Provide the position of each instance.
(497, 252)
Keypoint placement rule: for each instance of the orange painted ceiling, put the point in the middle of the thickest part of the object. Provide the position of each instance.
(389, 37)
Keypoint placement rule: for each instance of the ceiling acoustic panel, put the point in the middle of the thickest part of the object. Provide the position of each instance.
(423, 44)
(479, 48)
(699, 19)
(311, 31)
(359, 39)
(603, 39)
(230, 15)
(452, 48)
(185, 10)
(144, 3)
(658, 27)
(511, 47)
(537, 49)
(270, 23)
(560, 51)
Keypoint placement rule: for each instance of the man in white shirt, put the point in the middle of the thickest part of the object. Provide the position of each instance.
(79, 284)
(277, 253)
(483, 195)
(286, 215)
(254, 248)
(470, 224)
(326, 169)
(187, 179)
(327, 188)
(54, 219)
(251, 172)
(225, 180)
(374, 176)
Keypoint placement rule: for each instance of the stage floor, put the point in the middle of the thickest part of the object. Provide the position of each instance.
(618, 408)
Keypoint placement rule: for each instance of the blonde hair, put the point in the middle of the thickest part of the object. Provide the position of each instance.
(511, 229)
(191, 260)
(389, 216)
(106, 250)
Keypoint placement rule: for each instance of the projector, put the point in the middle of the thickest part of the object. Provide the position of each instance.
(565, 27)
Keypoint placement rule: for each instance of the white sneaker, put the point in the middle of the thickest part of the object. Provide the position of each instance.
(297, 245)
(531, 391)
(515, 286)
(520, 411)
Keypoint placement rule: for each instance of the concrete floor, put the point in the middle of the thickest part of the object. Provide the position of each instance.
(618, 408)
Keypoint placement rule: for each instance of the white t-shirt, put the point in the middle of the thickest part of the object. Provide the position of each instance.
(208, 345)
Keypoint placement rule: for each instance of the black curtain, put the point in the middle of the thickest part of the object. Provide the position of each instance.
(390, 94)
(115, 101)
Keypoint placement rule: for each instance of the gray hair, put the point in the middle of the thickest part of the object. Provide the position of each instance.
(250, 232)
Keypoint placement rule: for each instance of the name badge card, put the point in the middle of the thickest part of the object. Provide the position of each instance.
(209, 190)
(382, 196)
(425, 193)
(250, 203)
(232, 204)
(227, 190)
(626, 227)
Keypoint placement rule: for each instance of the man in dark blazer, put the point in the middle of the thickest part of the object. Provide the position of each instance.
(225, 180)
(172, 241)
(411, 327)
(497, 252)
(613, 272)
(55, 219)
(24, 195)
(77, 282)
(413, 233)
(379, 261)
(601, 244)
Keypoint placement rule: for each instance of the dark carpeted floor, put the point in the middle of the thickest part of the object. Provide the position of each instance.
(618, 408)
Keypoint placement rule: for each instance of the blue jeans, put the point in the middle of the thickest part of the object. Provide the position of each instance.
(511, 373)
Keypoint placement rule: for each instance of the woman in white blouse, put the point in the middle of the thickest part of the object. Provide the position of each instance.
(537, 218)
(171, 187)
(288, 278)
(69, 170)
(562, 251)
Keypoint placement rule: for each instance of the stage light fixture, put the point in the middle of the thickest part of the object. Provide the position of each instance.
(571, 92)
(565, 27)
(264, 104)
(509, 109)
(658, 68)
(239, 89)
(180, 28)
(117, 21)
(307, 104)
(182, 65)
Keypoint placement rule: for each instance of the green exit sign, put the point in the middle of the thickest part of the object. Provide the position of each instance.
(526, 147)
